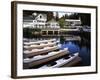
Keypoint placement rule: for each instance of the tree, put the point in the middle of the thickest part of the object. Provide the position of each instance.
(49, 16)
(85, 18)
(62, 22)
(27, 32)
(30, 33)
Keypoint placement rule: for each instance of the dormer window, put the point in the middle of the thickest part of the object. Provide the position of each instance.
(40, 17)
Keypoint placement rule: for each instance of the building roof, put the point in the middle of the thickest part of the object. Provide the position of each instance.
(30, 18)
(44, 15)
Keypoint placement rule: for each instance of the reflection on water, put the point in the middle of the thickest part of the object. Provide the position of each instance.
(72, 47)
(81, 47)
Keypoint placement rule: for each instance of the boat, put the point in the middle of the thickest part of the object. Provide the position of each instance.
(38, 42)
(47, 54)
(35, 52)
(66, 61)
(41, 60)
(42, 45)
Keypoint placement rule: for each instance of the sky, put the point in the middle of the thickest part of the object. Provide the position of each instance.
(60, 14)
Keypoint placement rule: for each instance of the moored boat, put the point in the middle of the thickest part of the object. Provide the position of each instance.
(38, 42)
(42, 45)
(35, 52)
(66, 61)
(41, 60)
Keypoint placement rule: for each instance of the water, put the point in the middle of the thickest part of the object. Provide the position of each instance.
(81, 47)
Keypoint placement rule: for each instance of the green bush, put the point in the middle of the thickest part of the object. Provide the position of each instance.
(30, 32)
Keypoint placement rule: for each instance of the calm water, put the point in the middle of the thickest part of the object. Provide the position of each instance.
(82, 47)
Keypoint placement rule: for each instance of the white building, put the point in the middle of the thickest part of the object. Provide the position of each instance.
(53, 24)
(40, 21)
(71, 23)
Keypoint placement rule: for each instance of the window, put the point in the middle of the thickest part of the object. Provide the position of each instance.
(40, 17)
(50, 32)
(44, 32)
(56, 32)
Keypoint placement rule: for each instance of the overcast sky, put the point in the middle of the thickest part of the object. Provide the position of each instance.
(60, 14)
